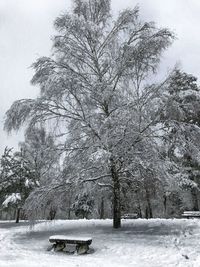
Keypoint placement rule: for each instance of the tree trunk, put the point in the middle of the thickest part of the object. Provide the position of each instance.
(69, 208)
(139, 210)
(149, 208)
(196, 195)
(116, 198)
(18, 215)
(194, 199)
(52, 214)
(102, 209)
(165, 205)
(69, 213)
(116, 206)
(13, 215)
(146, 213)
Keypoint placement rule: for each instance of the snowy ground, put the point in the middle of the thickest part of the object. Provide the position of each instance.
(140, 243)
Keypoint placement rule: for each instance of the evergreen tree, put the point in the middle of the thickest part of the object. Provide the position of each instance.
(83, 205)
(182, 129)
(17, 180)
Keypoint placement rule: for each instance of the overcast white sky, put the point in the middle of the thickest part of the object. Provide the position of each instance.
(26, 29)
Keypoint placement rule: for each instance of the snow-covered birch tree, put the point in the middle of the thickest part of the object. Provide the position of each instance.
(95, 88)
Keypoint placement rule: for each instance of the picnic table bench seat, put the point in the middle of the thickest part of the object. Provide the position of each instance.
(130, 216)
(191, 214)
(61, 242)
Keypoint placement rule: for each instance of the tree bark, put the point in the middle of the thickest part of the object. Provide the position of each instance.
(195, 199)
(139, 210)
(116, 198)
(102, 209)
(18, 215)
(69, 213)
(52, 214)
(196, 195)
(165, 204)
(149, 208)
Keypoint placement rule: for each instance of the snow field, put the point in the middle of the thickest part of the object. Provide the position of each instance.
(139, 243)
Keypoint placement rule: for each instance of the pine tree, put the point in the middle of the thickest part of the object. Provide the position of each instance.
(17, 180)
(182, 125)
(83, 205)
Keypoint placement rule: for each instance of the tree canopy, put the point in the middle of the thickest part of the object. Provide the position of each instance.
(97, 96)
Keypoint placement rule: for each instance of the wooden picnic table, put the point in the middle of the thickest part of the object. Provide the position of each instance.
(191, 214)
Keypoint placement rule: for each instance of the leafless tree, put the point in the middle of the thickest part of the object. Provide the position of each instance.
(95, 89)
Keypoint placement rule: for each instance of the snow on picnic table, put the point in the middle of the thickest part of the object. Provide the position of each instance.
(68, 237)
(139, 243)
